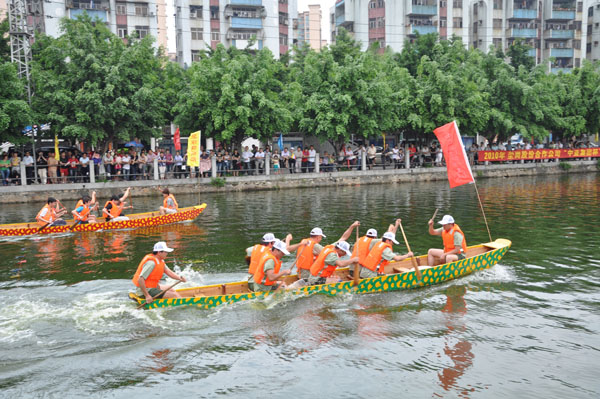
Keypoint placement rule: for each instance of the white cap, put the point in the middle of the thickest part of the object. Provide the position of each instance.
(344, 246)
(372, 233)
(161, 246)
(280, 245)
(317, 232)
(446, 220)
(269, 237)
(390, 236)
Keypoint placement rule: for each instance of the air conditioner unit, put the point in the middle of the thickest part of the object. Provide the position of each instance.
(286, 22)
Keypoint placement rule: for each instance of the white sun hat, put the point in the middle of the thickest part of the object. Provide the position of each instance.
(344, 246)
(447, 219)
(372, 233)
(390, 236)
(280, 245)
(269, 237)
(317, 232)
(162, 246)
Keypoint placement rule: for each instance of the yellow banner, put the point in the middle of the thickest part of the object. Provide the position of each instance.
(193, 150)
(56, 154)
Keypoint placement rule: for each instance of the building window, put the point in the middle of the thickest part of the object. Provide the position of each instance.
(283, 40)
(381, 22)
(443, 4)
(443, 22)
(579, 6)
(195, 12)
(141, 9)
(457, 23)
(380, 3)
(372, 4)
(371, 23)
(195, 55)
(284, 18)
(457, 4)
(215, 36)
(121, 9)
(214, 12)
(497, 23)
(577, 44)
(497, 42)
(196, 33)
(142, 31)
(122, 31)
(283, 1)
(497, 4)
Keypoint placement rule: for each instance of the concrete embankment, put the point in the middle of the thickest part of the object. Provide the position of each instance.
(39, 193)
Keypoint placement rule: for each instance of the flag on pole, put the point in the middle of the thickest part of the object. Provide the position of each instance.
(280, 142)
(457, 164)
(56, 154)
(177, 140)
(193, 150)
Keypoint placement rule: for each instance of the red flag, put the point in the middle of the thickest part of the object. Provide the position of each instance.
(457, 164)
(177, 140)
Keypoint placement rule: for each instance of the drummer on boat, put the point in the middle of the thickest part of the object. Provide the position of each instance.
(82, 213)
(151, 270)
(268, 271)
(114, 207)
(170, 205)
(50, 214)
(455, 244)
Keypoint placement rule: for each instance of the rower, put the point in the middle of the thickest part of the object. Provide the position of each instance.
(328, 260)
(151, 270)
(80, 202)
(50, 214)
(381, 255)
(256, 252)
(113, 208)
(169, 203)
(82, 213)
(455, 244)
(363, 246)
(267, 274)
(309, 248)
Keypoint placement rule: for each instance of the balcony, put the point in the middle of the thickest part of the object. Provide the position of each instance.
(73, 13)
(524, 13)
(561, 52)
(246, 23)
(423, 29)
(560, 34)
(562, 14)
(525, 33)
(88, 5)
(531, 52)
(246, 2)
(340, 19)
(563, 70)
(423, 10)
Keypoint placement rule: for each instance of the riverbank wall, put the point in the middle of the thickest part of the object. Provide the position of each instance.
(73, 191)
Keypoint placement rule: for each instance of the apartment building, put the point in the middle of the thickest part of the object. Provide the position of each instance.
(202, 24)
(308, 27)
(592, 45)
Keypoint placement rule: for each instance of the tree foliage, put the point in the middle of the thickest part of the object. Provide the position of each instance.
(15, 113)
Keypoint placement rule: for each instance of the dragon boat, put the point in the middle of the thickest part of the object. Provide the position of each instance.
(136, 220)
(398, 276)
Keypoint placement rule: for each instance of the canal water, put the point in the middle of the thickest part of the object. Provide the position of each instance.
(528, 327)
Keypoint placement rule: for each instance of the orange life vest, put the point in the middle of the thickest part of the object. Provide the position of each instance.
(375, 255)
(259, 274)
(166, 200)
(84, 214)
(448, 238)
(319, 264)
(79, 203)
(361, 248)
(305, 257)
(257, 253)
(115, 211)
(155, 276)
(49, 217)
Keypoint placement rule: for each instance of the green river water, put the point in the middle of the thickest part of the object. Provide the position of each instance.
(526, 328)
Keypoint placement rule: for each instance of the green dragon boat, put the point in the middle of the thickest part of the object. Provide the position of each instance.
(399, 276)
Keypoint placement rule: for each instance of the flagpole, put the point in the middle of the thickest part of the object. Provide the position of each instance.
(482, 211)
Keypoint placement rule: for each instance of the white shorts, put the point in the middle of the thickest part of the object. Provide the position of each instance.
(170, 210)
(119, 219)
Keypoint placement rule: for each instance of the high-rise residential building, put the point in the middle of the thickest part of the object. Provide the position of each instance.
(3, 9)
(308, 27)
(202, 24)
(553, 28)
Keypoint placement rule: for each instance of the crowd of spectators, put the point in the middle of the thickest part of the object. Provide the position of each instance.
(472, 151)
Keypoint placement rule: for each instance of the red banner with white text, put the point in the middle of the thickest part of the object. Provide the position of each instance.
(517, 155)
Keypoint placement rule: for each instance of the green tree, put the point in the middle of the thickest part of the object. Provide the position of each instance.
(94, 87)
(518, 52)
(4, 40)
(15, 113)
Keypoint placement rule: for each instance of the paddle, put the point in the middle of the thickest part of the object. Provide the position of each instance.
(296, 260)
(43, 227)
(434, 213)
(77, 222)
(412, 258)
(159, 294)
(356, 265)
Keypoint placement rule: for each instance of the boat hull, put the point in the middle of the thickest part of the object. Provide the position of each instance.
(147, 219)
(389, 282)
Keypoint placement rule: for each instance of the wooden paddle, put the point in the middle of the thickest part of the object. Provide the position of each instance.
(160, 293)
(412, 258)
(434, 213)
(356, 265)
(77, 222)
(43, 227)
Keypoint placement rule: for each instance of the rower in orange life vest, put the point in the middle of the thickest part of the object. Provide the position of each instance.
(169, 202)
(256, 252)
(308, 249)
(113, 208)
(80, 202)
(82, 213)
(322, 269)
(268, 271)
(455, 243)
(151, 270)
(50, 214)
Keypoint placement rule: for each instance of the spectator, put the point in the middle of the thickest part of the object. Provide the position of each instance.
(371, 154)
(64, 165)
(260, 160)
(15, 165)
(359, 154)
(52, 167)
(126, 166)
(84, 162)
(350, 157)
(28, 161)
(298, 157)
(169, 161)
(247, 155)
(386, 155)
(235, 162)
(178, 161)
(342, 155)
(97, 160)
(275, 158)
(205, 164)
(5, 169)
(142, 166)
(150, 157)
(42, 165)
(107, 161)
(324, 162)
(118, 165)
(162, 166)
(134, 165)
(73, 165)
(226, 162)
(285, 158)
(397, 157)
(439, 157)
(312, 154)
(305, 154)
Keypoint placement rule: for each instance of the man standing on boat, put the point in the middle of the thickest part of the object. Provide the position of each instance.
(328, 260)
(169, 203)
(267, 274)
(113, 208)
(381, 254)
(149, 272)
(50, 214)
(455, 244)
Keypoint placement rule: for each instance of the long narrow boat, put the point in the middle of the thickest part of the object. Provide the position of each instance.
(136, 220)
(399, 276)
